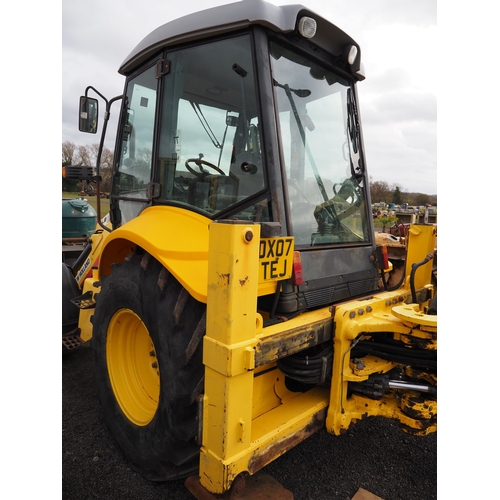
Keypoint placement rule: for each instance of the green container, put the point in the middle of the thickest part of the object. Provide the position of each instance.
(78, 218)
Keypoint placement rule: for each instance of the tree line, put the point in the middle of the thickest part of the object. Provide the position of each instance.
(72, 154)
(381, 191)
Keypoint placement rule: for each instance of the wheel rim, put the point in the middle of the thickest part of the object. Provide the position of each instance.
(133, 367)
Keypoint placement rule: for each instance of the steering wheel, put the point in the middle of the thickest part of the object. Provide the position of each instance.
(199, 162)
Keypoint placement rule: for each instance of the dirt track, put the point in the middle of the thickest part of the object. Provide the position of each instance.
(373, 454)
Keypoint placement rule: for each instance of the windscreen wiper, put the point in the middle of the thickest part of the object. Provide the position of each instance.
(354, 135)
(303, 93)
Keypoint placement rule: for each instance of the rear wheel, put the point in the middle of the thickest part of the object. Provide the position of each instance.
(147, 344)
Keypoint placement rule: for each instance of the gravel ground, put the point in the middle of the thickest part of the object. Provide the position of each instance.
(373, 454)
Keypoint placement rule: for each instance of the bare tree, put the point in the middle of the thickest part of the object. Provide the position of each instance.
(68, 152)
(95, 150)
(106, 169)
(422, 199)
(86, 155)
(68, 156)
(380, 192)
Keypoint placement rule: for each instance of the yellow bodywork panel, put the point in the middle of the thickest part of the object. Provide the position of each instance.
(249, 417)
(164, 232)
(96, 245)
(421, 241)
(92, 285)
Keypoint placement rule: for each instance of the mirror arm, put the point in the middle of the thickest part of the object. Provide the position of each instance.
(107, 114)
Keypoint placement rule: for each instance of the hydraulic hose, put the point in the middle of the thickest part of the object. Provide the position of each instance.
(414, 268)
(275, 300)
(425, 359)
(82, 257)
(393, 287)
(311, 366)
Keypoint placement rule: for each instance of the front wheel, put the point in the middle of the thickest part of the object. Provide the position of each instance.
(147, 344)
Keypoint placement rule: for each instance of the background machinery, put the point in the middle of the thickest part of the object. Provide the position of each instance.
(236, 300)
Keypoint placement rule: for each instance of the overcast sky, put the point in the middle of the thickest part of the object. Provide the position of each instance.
(398, 99)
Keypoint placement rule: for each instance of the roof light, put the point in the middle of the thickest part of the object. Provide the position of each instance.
(307, 27)
(350, 54)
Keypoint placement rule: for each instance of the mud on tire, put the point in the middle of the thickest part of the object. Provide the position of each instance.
(147, 353)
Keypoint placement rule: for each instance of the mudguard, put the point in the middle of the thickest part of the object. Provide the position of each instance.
(176, 237)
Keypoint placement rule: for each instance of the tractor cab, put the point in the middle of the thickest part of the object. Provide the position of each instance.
(249, 111)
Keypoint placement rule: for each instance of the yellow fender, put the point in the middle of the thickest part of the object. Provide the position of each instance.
(177, 238)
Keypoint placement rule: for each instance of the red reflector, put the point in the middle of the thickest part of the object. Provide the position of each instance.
(94, 265)
(385, 257)
(297, 269)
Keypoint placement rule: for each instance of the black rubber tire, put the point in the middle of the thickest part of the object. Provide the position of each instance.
(166, 447)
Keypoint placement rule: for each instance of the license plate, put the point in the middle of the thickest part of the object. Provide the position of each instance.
(275, 259)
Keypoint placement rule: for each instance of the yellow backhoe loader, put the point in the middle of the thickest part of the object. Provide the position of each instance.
(235, 299)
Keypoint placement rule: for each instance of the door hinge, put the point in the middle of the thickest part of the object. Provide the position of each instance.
(162, 68)
(153, 190)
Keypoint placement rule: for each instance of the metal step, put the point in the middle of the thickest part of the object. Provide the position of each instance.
(72, 340)
(85, 301)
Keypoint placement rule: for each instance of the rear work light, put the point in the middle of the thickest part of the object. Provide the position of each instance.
(298, 279)
(307, 27)
(350, 54)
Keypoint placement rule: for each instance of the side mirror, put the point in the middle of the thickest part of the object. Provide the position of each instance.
(88, 115)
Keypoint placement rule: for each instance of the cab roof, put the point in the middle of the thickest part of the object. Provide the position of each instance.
(231, 17)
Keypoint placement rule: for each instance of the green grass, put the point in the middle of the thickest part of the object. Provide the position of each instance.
(92, 200)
